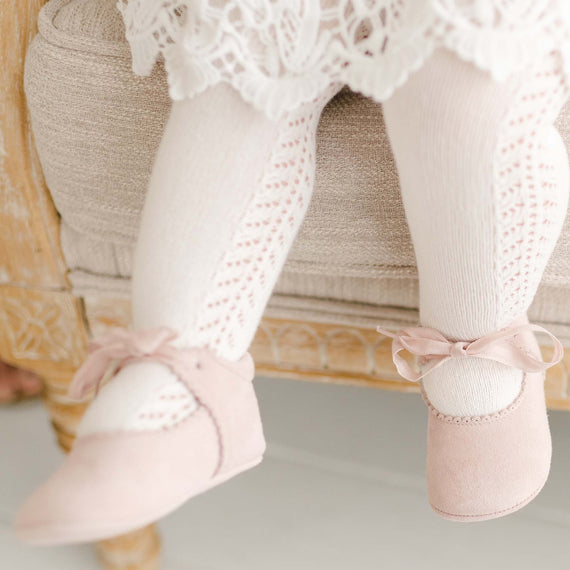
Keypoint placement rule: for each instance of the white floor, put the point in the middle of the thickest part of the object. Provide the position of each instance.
(341, 488)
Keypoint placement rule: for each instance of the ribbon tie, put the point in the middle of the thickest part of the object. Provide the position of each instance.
(501, 346)
(117, 346)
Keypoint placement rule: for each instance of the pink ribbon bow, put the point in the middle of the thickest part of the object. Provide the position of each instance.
(119, 345)
(434, 349)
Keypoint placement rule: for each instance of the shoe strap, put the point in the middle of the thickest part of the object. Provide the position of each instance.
(121, 347)
(116, 347)
(508, 346)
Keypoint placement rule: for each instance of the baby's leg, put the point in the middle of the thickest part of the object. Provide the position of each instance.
(484, 179)
(228, 193)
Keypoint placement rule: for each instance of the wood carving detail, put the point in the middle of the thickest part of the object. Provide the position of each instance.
(350, 355)
(321, 346)
(41, 326)
(326, 352)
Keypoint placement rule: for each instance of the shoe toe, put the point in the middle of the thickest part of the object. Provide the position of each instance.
(114, 483)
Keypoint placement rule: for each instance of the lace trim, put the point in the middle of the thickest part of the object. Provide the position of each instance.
(282, 53)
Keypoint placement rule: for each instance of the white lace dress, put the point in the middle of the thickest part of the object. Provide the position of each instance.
(282, 53)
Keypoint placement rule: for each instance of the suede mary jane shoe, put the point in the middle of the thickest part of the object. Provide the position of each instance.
(484, 467)
(115, 482)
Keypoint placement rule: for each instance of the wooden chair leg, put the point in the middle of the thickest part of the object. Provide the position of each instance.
(138, 550)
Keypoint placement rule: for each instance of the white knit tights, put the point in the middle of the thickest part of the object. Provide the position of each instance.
(484, 179)
(228, 193)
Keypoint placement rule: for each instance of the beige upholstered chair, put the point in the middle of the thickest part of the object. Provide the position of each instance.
(64, 274)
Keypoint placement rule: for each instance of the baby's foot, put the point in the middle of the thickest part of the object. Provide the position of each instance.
(171, 424)
(490, 463)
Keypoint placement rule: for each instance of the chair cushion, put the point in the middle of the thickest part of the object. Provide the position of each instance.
(97, 126)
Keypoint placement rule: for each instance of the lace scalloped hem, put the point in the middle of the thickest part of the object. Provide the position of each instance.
(280, 54)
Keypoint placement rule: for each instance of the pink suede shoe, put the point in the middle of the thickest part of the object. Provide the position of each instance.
(112, 483)
(484, 467)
